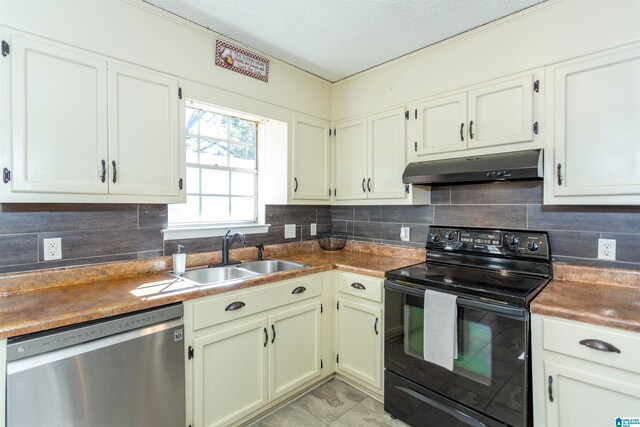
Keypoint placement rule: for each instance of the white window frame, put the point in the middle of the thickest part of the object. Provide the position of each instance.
(212, 229)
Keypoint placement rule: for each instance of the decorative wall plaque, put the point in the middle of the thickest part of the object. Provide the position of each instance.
(241, 61)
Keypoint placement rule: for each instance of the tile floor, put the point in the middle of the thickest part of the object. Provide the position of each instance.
(332, 404)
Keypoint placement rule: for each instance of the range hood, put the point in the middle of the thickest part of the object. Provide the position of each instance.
(491, 167)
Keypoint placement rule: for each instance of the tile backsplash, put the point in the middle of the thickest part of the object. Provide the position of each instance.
(573, 230)
(96, 233)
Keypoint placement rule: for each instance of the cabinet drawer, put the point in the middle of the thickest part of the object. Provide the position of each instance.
(360, 286)
(564, 337)
(215, 310)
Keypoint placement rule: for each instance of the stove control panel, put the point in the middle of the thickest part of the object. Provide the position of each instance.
(518, 243)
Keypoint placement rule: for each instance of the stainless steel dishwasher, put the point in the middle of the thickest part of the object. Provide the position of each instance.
(122, 371)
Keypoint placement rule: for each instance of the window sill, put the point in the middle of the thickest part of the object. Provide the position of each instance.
(176, 232)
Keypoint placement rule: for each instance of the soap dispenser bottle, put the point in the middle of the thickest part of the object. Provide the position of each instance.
(179, 261)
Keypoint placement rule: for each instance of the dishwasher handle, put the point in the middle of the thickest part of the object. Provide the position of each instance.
(27, 363)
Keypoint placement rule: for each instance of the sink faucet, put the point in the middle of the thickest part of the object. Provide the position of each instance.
(227, 241)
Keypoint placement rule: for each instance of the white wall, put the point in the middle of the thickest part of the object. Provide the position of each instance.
(133, 31)
(551, 32)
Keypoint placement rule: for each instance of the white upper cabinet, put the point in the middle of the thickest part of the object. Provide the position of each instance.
(351, 160)
(442, 124)
(370, 156)
(310, 159)
(143, 131)
(501, 113)
(593, 153)
(386, 154)
(482, 118)
(83, 128)
(59, 119)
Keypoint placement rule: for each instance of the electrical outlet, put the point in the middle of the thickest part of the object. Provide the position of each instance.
(405, 234)
(289, 231)
(52, 248)
(607, 249)
(314, 229)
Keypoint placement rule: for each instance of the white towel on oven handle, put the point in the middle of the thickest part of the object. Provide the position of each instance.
(440, 329)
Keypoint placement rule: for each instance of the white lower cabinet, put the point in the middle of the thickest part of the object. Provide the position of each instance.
(359, 341)
(294, 353)
(574, 384)
(250, 348)
(360, 330)
(230, 373)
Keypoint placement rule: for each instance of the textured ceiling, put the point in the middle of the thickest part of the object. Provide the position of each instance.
(335, 39)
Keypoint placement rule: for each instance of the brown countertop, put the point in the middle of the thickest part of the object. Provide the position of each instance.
(605, 297)
(37, 301)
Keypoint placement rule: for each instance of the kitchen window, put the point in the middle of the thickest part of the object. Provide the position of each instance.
(222, 172)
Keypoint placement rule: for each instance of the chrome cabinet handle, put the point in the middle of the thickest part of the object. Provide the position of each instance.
(273, 329)
(369, 185)
(358, 285)
(471, 129)
(550, 388)
(295, 181)
(600, 345)
(103, 175)
(375, 326)
(299, 290)
(266, 337)
(462, 131)
(115, 171)
(559, 174)
(363, 189)
(235, 306)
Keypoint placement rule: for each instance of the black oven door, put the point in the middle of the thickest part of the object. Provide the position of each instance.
(491, 373)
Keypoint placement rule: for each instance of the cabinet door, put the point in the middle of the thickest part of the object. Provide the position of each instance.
(587, 398)
(230, 373)
(59, 119)
(387, 159)
(596, 125)
(144, 143)
(441, 125)
(294, 353)
(359, 341)
(501, 113)
(311, 167)
(351, 160)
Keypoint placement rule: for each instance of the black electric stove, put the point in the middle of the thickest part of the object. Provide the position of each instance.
(495, 275)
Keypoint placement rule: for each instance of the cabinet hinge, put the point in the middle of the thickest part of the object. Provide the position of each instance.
(180, 93)
(406, 189)
(321, 309)
(416, 113)
(338, 305)
(415, 146)
(5, 48)
(406, 114)
(321, 364)
(190, 353)
(180, 183)
(6, 175)
(337, 358)
(536, 86)
(535, 128)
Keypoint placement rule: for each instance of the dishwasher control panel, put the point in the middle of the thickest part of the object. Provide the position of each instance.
(42, 342)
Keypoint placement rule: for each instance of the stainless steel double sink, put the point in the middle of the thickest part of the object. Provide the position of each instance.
(245, 270)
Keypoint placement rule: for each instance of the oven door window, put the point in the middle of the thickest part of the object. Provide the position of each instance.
(474, 342)
(490, 373)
